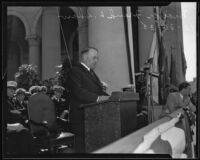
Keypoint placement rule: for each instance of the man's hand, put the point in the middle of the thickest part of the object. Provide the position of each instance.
(102, 98)
(104, 85)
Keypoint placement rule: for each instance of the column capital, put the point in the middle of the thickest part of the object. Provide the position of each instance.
(51, 10)
(33, 40)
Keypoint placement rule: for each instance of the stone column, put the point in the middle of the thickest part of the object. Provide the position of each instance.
(51, 47)
(106, 33)
(34, 50)
(81, 13)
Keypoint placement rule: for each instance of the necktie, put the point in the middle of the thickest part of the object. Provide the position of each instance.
(93, 74)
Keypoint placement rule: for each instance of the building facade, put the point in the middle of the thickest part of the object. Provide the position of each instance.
(44, 36)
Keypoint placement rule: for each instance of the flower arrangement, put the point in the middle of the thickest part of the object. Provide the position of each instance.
(27, 76)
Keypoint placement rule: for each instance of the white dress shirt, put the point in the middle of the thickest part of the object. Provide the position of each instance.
(85, 66)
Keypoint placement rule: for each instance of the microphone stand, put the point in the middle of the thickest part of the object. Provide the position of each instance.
(149, 78)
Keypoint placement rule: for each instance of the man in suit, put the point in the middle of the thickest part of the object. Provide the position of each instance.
(61, 107)
(21, 103)
(18, 138)
(84, 87)
(60, 103)
(179, 99)
(13, 115)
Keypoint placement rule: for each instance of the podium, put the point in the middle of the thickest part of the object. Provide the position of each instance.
(107, 121)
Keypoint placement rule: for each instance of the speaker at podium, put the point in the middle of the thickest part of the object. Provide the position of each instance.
(107, 121)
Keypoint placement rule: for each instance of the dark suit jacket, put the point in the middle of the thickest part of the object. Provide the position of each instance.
(82, 82)
(83, 88)
(12, 117)
(60, 105)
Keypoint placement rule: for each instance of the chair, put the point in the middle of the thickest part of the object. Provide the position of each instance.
(43, 125)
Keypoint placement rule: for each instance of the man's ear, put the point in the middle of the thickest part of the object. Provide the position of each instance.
(83, 57)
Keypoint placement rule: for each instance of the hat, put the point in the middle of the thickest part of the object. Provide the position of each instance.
(57, 87)
(27, 93)
(12, 84)
(32, 89)
(20, 91)
(43, 88)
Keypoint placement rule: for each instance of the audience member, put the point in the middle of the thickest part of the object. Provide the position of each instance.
(21, 103)
(34, 89)
(18, 138)
(180, 99)
(43, 89)
(62, 108)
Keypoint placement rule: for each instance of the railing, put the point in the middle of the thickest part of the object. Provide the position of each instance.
(129, 143)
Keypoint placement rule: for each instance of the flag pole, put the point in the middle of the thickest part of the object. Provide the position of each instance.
(149, 66)
(161, 57)
(67, 51)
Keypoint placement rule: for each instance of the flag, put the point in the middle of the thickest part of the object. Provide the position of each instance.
(186, 126)
(183, 60)
(161, 56)
(153, 59)
(166, 80)
(160, 146)
(177, 140)
(173, 71)
(178, 65)
(167, 138)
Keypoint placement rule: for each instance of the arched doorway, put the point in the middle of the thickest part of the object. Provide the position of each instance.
(69, 34)
(17, 46)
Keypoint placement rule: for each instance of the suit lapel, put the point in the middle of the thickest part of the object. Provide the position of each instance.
(93, 78)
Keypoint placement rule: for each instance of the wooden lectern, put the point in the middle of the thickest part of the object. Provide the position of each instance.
(107, 121)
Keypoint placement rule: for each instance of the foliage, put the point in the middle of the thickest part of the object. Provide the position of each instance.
(27, 76)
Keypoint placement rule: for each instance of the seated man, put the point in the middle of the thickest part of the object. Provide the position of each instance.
(21, 103)
(13, 114)
(34, 89)
(20, 98)
(61, 106)
(18, 138)
(43, 89)
(179, 99)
